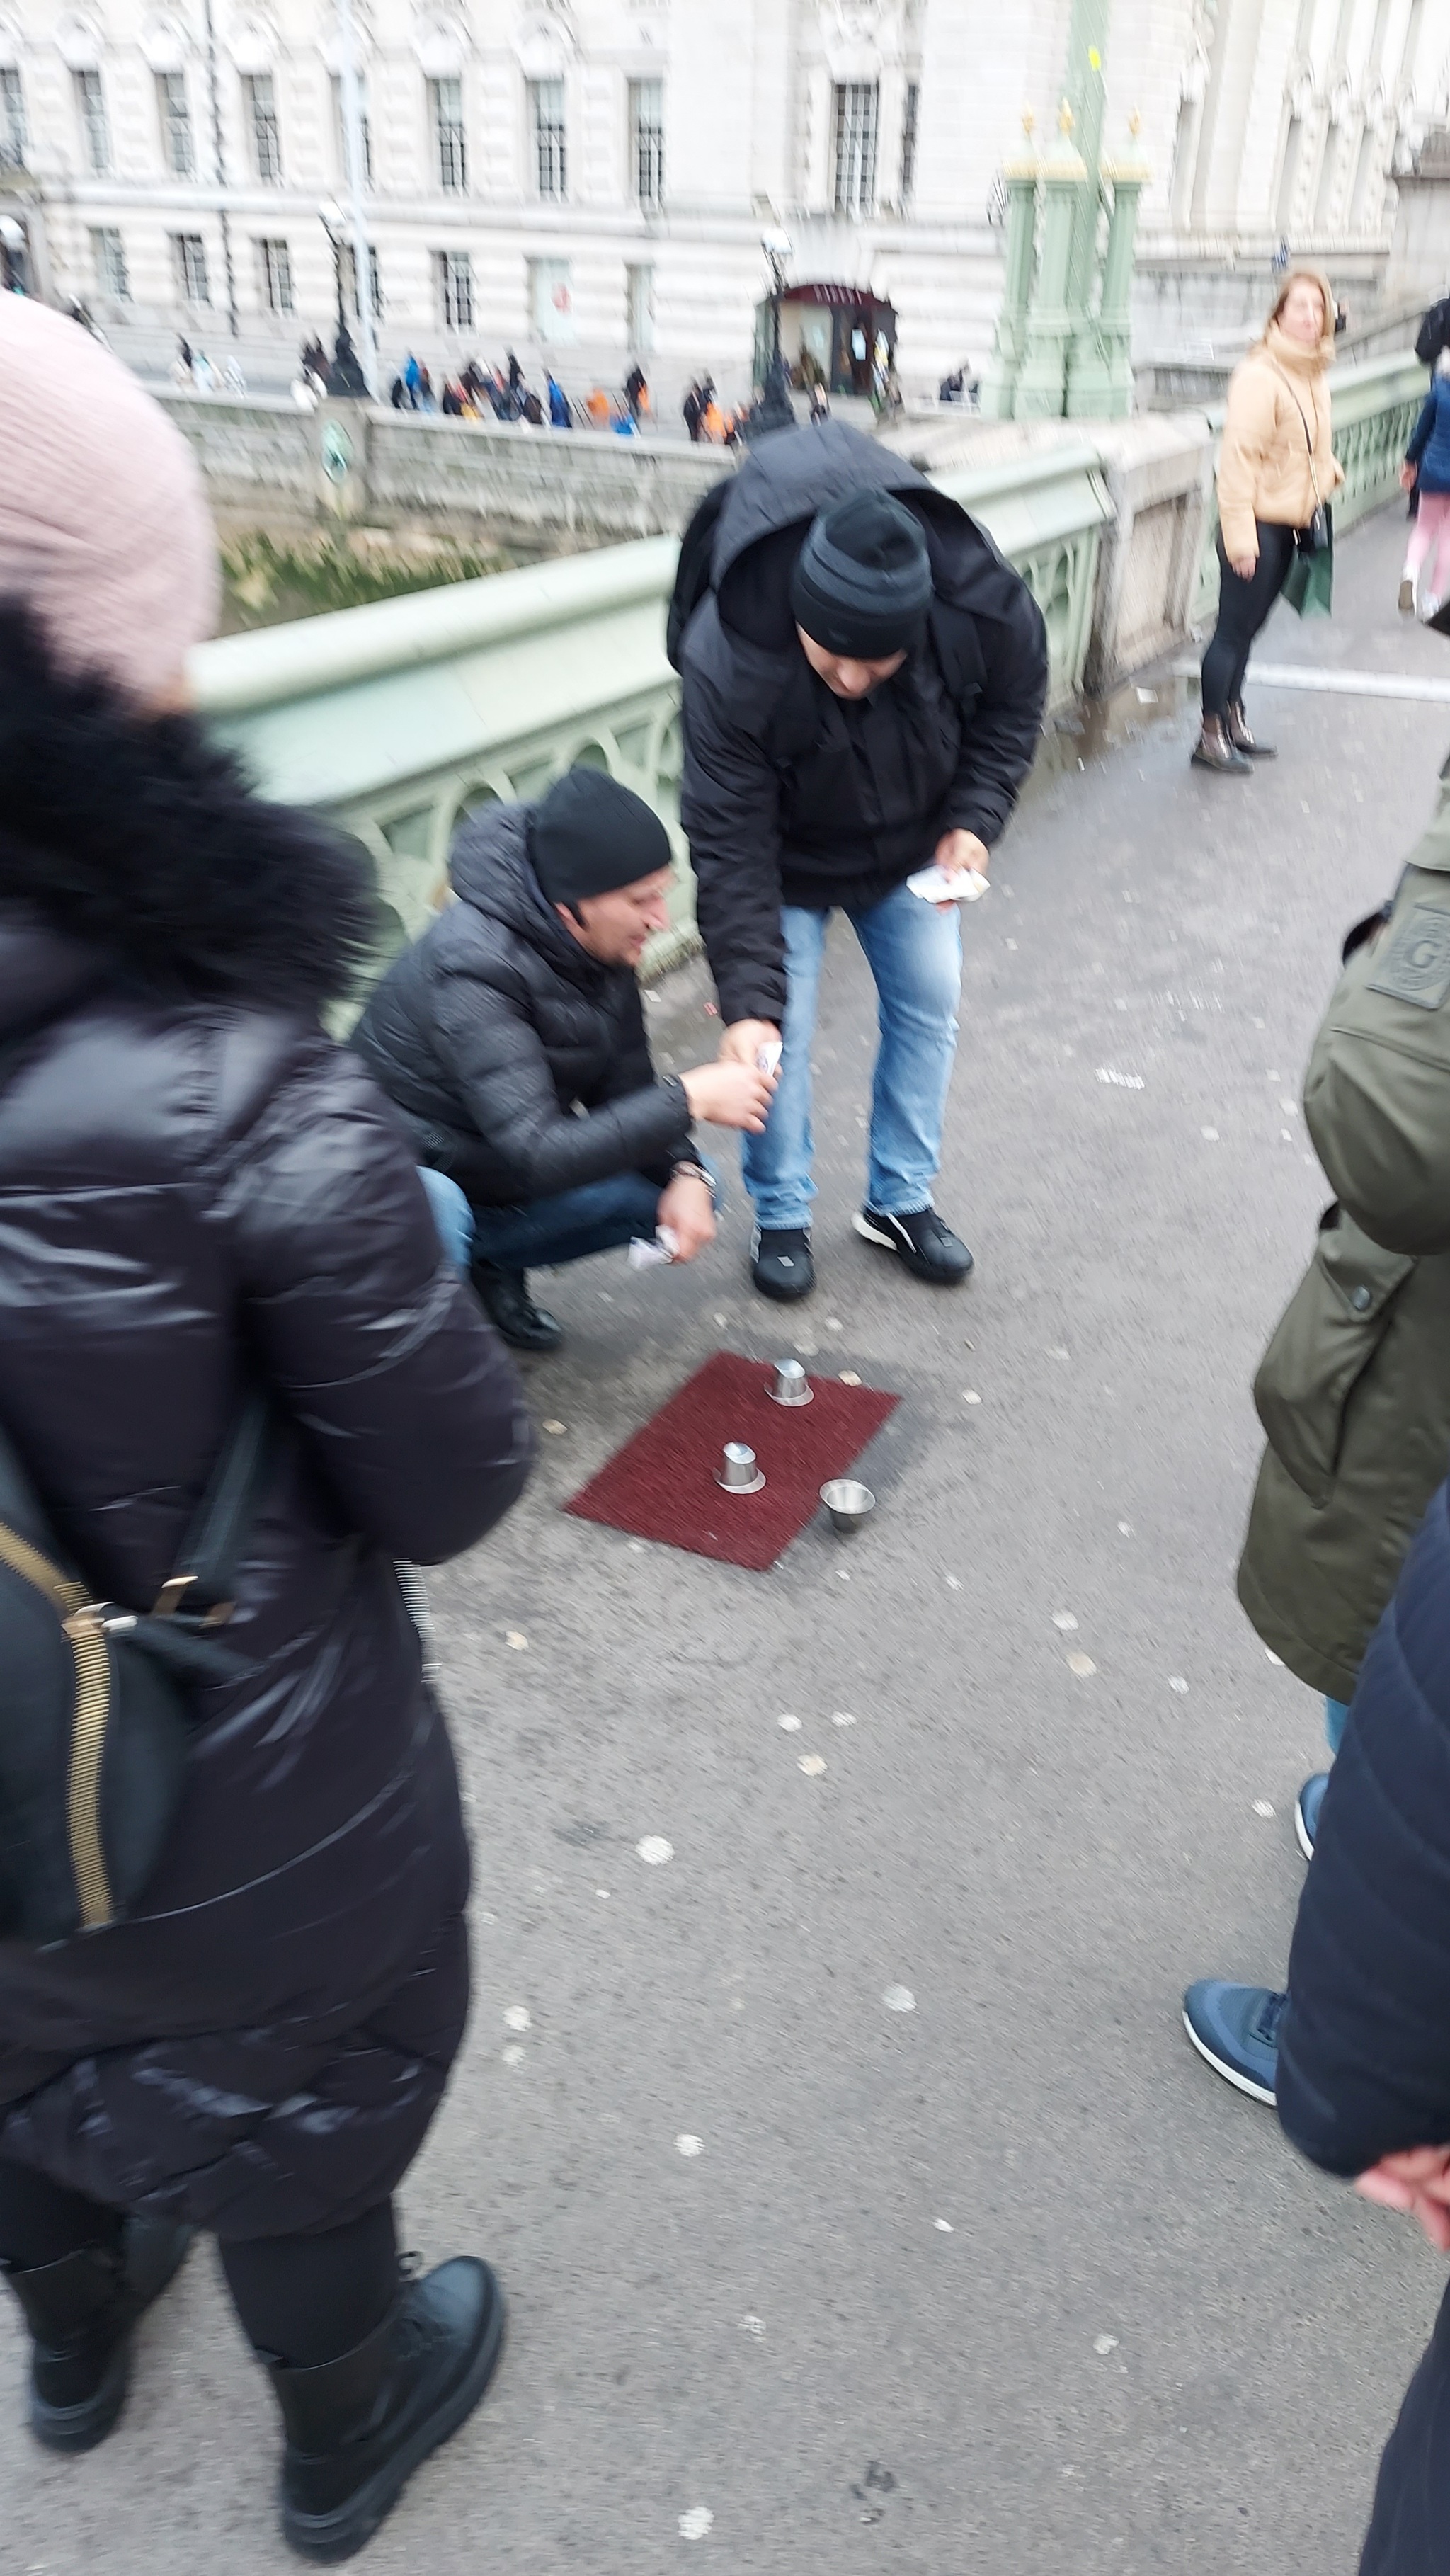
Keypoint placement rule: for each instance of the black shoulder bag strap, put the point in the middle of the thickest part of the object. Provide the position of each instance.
(201, 1593)
(1318, 532)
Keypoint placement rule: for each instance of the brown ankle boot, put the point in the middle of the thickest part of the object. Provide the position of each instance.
(1241, 738)
(1214, 750)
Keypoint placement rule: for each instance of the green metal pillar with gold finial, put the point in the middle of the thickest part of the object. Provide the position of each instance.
(1085, 90)
(1042, 378)
(1107, 384)
(999, 383)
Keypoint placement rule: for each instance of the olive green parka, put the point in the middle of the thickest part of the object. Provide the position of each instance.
(1354, 1390)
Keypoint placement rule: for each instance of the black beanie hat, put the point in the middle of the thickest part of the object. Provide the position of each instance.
(862, 580)
(590, 835)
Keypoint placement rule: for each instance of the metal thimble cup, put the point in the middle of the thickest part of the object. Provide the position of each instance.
(848, 1503)
(737, 1472)
(792, 1386)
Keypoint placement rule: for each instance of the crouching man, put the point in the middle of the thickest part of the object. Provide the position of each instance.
(512, 1039)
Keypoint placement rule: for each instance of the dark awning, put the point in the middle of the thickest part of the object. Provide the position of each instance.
(821, 292)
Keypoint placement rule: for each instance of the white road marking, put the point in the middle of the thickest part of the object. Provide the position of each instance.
(1342, 684)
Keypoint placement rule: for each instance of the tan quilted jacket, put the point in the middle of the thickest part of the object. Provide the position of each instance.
(1278, 402)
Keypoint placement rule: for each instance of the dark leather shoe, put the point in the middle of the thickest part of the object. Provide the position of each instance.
(1213, 750)
(359, 2426)
(81, 2313)
(923, 1241)
(781, 1264)
(506, 1300)
(1245, 741)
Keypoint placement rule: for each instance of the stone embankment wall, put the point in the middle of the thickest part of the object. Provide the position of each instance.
(270, 465)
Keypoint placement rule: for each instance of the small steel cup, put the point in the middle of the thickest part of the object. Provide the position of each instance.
(792, 1386)
(848, 1503)
(737, 1472)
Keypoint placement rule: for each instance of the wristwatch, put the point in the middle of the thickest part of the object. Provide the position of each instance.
(690, 1170)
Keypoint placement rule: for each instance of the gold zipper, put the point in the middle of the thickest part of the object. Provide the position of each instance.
(86, 1629)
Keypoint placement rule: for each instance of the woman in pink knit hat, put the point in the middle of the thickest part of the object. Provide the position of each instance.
(233, 1964)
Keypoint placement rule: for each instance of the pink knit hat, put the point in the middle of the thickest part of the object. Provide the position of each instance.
(104, 528)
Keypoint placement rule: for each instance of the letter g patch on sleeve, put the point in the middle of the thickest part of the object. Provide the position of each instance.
(1416, 964)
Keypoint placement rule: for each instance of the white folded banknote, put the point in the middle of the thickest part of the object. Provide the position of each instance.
(935, 886)
(643, 1255)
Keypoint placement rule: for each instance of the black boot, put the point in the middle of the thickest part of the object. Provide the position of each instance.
(1244, 741)
(506, 1300)
(1213, 749)
(358, 2427)
(81, 2312)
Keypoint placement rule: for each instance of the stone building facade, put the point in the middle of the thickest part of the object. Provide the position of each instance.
(590, 181)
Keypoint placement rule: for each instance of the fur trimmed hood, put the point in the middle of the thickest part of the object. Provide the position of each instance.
(138, 839)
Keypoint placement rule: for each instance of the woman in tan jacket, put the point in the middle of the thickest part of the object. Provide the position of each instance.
(1276, 464)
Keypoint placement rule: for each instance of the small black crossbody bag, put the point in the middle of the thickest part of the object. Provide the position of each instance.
(95, 1718)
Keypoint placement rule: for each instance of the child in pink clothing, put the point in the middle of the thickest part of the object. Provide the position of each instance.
(1427, 460)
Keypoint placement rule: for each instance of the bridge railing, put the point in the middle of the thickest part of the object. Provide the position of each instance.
(397, 718)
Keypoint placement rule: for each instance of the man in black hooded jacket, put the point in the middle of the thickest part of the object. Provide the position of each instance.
(864, 679)
(512, 1039)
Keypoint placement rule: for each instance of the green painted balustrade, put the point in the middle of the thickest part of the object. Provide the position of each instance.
(396, 718)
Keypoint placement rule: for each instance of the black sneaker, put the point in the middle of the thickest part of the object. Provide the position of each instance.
(780, 1262)
(511, 1310)
(925, 1242)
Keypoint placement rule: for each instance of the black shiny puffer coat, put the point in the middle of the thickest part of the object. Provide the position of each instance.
(497, 1029)
(199, 1189)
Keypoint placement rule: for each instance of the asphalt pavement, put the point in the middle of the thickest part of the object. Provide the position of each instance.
(1007, 2281)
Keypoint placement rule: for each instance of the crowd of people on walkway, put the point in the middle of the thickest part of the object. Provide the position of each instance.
(504, 393)
(258, 1285)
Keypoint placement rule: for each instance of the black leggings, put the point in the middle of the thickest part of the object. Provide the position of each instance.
(301, 2299)
(1243, 607)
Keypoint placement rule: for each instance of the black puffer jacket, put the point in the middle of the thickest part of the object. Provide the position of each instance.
(198, 1188)
(490, 1030)
(792, 795)
(1364, 2048)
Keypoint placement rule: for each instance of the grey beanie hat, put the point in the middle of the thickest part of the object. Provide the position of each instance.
(862, 580)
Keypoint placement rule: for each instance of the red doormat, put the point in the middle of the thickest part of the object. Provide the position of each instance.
(661, 1484)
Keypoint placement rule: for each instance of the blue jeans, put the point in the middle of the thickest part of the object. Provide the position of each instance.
(1335, 1713)
(452, 1215)
(565, 1228)
(915, 956)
